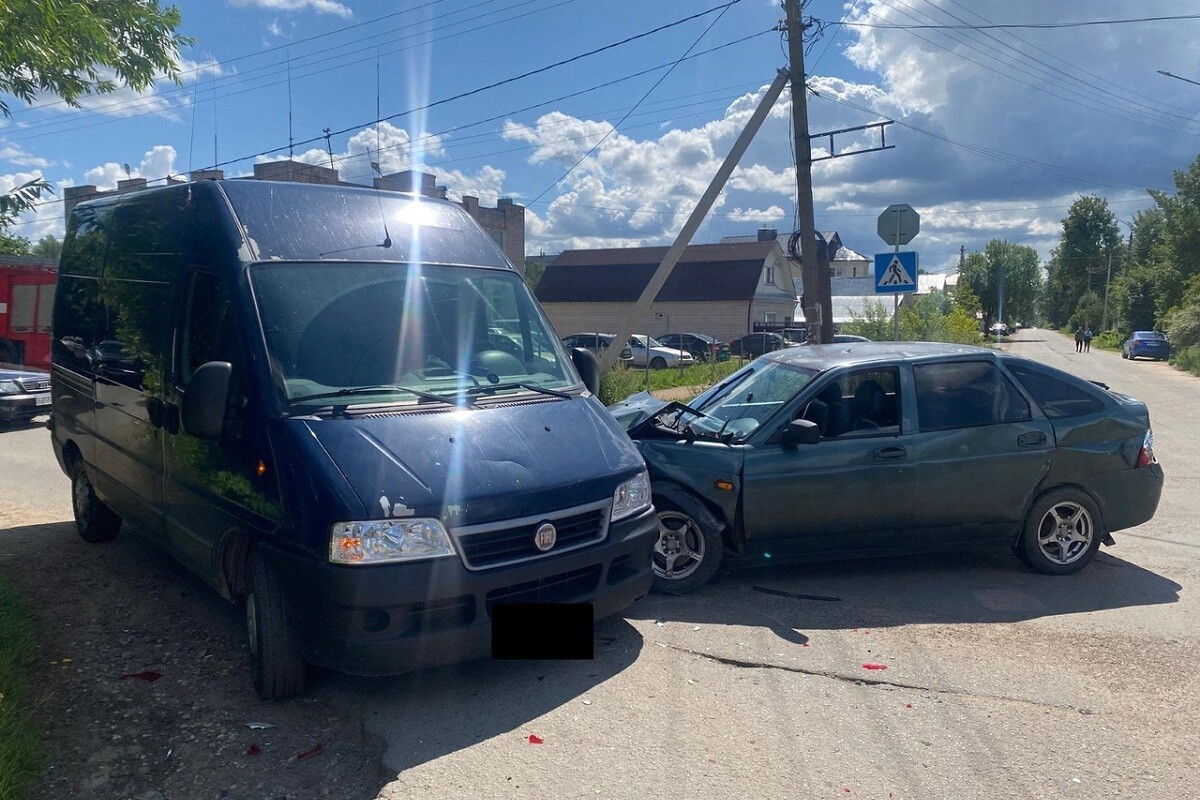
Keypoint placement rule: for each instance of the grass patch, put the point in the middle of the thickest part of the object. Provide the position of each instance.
(21, 754)
(620, 382)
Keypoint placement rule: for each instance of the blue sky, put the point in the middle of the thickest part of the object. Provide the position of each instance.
(997, 130)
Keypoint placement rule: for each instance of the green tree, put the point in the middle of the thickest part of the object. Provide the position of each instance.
(1080, 262)
(875, 323)
(13, 245)
(1019, 268)
(1087, 312)
(47, 247)
(1147, 235)
(1177, 270)
(71, 49)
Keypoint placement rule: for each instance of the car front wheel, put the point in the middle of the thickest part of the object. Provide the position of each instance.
(689, 549)
(95, 521)
(279, 672)
(1062, 532)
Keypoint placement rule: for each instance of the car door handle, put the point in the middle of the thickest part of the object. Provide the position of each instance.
(1031, 439)
(891, 453)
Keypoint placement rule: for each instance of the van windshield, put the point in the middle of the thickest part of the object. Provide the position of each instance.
(441, 330)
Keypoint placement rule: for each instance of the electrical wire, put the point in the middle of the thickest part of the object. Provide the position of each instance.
(1035, 25)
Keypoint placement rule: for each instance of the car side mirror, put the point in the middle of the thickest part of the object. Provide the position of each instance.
(588, 369)
(801, 431)
(205, 398)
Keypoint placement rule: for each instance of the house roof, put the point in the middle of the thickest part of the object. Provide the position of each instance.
(705, 272)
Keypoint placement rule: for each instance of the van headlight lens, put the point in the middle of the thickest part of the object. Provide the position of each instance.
(383, 541)
(631, 497)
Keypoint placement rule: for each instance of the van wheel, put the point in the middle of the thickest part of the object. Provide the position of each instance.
(689, 549)
(95, 521)
(1062, 532)
(279, 672)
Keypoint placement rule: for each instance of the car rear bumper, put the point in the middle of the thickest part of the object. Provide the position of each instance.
(396, 618)
(1128, 497)
(1149, 352)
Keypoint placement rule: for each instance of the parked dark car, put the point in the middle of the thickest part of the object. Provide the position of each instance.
(1146, 344)
(23, 394)
(753, 345)
(830, 452)
(596, 344)
(702, 346)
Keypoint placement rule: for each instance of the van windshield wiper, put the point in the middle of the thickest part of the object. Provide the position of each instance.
(376, 389)
(499, 387)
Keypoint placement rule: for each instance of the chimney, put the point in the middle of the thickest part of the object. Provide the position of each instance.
(131, 185)
(207, 174)
(767, 234)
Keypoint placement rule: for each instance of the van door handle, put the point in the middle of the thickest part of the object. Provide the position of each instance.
(1031, 439)
(891, 453)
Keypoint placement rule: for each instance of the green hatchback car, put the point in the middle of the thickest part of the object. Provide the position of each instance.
(835, 451)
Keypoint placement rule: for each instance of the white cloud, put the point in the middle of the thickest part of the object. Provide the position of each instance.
(320, 6)
(759, 215)
(15, 154)
(274, 28)
(156, 164)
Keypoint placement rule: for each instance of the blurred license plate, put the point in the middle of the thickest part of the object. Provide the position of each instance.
(42, 400)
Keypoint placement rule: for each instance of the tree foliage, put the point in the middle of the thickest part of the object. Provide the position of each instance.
(1019, 268)
(47, 247)
(70, 49)
(1090, 237)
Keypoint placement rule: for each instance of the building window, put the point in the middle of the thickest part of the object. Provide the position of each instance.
(769, 276)
(769, 317)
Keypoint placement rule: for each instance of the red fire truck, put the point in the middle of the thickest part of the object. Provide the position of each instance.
(26, 303)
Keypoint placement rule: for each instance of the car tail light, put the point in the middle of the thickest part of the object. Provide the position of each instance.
(1146, 454)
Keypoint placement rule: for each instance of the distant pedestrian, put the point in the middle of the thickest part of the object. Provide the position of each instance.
(1087, 341)
(1079, 339)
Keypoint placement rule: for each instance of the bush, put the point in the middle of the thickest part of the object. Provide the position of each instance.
(1108, 340)
(1187, 359)
(1183, 326)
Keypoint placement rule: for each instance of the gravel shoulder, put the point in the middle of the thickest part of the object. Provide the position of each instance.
(107, 611)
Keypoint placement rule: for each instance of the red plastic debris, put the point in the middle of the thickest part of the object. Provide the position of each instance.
(147, 676)
(873, 665)
(535, 739)
(846, 789)
(254, 750)
(310, 752)
(906, 705)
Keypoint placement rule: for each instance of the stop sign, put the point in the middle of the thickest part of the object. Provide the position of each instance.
(898, 224)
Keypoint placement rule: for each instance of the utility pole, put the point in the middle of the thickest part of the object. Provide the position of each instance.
(1107, 280)
(818, 308)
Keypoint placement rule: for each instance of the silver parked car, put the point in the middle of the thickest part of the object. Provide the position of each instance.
(659, 356)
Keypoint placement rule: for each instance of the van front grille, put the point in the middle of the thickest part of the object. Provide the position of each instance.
(564, 587)
(512, 541)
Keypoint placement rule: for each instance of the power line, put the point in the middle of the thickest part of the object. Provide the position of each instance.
(1014, 25)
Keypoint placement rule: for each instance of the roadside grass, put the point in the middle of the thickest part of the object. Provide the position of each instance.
(21, 754)
(620, 382)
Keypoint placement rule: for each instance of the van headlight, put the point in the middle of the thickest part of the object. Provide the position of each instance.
(631, 497)
(390, 540)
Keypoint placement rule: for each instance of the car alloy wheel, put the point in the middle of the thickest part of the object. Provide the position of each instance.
(680, 548)
(1065, 532)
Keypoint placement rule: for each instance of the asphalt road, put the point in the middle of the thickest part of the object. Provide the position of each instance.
(999, 683)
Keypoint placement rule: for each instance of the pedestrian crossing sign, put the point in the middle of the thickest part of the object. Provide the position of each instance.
(895, 272)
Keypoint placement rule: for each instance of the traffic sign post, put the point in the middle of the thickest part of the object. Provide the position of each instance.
(898, 224)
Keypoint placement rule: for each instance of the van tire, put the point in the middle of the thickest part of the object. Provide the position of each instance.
(279, 672)
(693, 527)
(95, 521)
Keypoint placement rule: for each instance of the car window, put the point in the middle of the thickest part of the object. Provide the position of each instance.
(1057, 395)
(864, 402)
(963, 394)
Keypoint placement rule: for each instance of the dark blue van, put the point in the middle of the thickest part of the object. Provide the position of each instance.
(305, 395)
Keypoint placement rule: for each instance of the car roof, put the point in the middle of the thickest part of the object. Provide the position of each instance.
(827, 356)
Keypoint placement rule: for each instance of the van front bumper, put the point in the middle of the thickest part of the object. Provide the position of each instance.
(394, 618)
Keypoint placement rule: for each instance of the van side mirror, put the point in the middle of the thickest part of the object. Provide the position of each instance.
(801, 431)
(204, 400)
(589, 370)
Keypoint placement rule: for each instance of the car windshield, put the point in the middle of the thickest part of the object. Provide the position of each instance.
(372, 330)
(737, 408)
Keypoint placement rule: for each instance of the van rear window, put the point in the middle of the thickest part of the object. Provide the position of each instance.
(300, 222)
